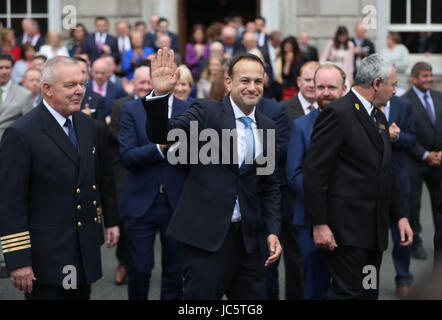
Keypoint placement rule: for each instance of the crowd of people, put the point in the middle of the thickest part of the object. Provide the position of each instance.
(344, 118)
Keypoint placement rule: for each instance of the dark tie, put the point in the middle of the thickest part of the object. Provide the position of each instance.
(249, 152)
(429, 110)
(71, 132)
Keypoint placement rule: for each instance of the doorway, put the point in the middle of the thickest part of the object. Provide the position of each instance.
(205, 12)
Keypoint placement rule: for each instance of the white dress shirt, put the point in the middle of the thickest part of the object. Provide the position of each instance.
(305, 104)
(60, 118)
(367, 105)
(5, 89)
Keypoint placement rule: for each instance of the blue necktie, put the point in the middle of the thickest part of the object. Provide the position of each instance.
(429, 110)
(71, 132)
(249, 152)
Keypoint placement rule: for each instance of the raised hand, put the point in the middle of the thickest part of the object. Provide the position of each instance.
(164, 72)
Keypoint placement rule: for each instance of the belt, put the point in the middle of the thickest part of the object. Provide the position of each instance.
(235, 226)
(161, 189)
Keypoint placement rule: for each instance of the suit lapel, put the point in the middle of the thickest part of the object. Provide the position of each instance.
(437, 107)
(53, 130)
(228, 122)
(9, 97)
(366, 122)
(84, 145)
(420, 108)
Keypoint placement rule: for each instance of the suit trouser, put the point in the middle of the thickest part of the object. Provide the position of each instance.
(420, 173)
(271, 272)
(139, 249)
(315, 272)
(294, 286)
(120, 174)
(353, 276)
(438, 241)
(47, 292)
(230, 271)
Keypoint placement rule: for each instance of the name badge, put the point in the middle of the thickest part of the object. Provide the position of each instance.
(382, 127)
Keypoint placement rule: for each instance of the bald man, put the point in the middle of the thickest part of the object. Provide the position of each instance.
(308, 52)
(363, 46)
(103, 86)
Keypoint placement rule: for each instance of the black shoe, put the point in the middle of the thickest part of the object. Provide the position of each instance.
(4, 273)
(418, 252)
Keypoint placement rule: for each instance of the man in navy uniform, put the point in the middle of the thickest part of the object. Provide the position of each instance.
(50, 217)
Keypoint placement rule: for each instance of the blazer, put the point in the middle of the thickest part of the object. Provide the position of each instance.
(349, 181)
(18, 102)
(293, 107)
(428, 137)
(203, 214)
(147, 169)
(366, 44)
(52, 198)
(128, 67)
(311, 54)
(113, 92)
(297, 149)
(95, 102)
(90, 47)
(41, 41)
(401, 113)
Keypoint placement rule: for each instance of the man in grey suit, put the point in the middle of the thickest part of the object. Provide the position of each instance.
(425, 156)
(15, 101)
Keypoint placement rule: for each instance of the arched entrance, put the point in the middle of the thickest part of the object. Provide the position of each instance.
(191, 12)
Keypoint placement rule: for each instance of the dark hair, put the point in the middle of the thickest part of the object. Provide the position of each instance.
(395, 36)
(25, 48)
(139, 23)
(79, 25)
(420, 66)
(162, 19)
(261, 18)
(40, 56)
(195, 28)
(80, 59)
(6, 56)
(341, 30)
(101, 18)
(243, 56)
(294, 42)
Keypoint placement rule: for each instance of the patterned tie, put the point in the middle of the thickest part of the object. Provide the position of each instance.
(99, 44)
(429, 110)
(71, 132)
(311, 108)
(100, 90)
(249, 151)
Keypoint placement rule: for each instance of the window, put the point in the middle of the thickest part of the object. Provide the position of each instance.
(419, 23)
(12, 12)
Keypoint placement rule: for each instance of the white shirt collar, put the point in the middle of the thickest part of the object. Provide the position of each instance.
(60, 118)
(305, 104)
(367, 105)
(6, 86)
(239, 114)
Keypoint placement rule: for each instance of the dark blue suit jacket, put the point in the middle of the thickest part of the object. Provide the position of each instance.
(204, 212)
(89, 46)
(276, 111)
(147, 169)
(401, 112)
(297, 150)
(113, 92)
(95, 101)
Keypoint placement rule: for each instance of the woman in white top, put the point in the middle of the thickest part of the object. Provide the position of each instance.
(213, 70)
(53, 47)
(399, 55)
